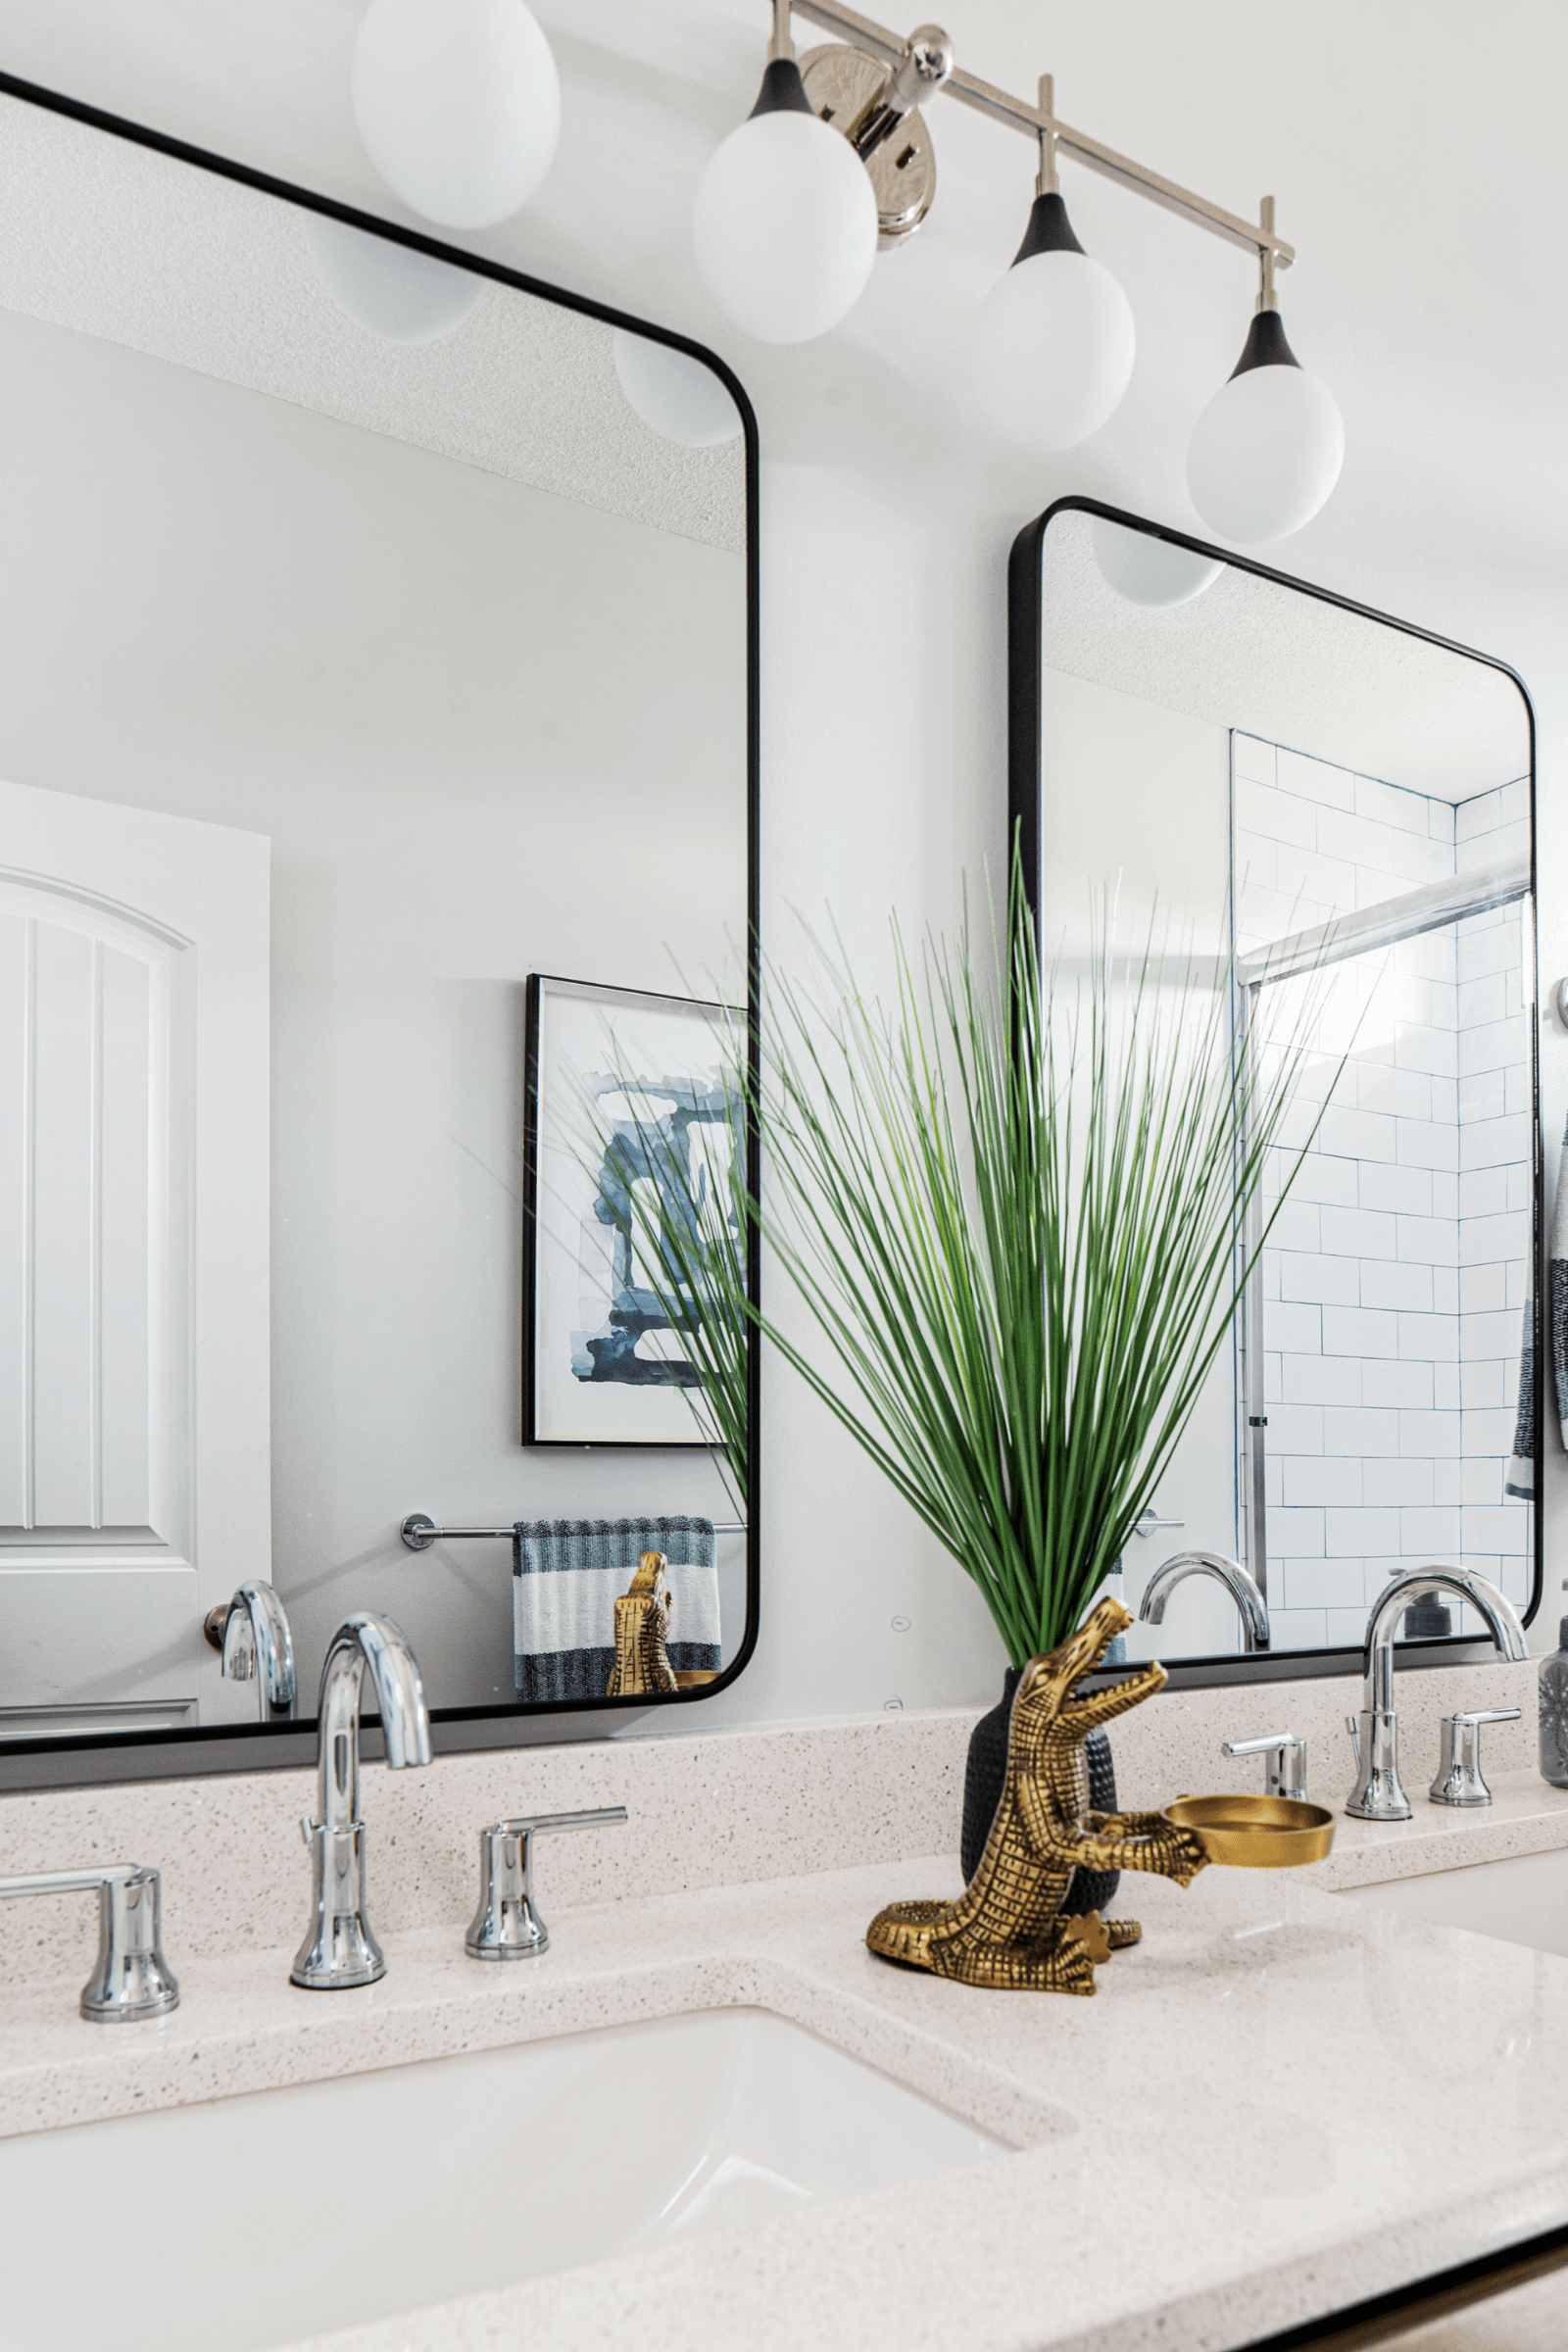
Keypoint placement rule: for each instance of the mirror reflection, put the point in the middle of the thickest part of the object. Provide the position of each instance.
(1336, 813)
(373, 639)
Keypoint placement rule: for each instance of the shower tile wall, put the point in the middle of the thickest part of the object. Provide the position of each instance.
(1395, 1276)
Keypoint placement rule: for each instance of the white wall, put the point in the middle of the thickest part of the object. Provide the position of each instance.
(1411, 149)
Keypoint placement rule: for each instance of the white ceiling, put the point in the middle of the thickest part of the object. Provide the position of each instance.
(116, 241)
(1275, 662)
(1411, 147)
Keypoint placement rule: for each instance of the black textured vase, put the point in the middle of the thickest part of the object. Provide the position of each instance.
(987, 1769)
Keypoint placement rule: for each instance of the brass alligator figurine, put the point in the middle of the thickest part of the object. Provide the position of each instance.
(642, 1630)
(1006, 1929)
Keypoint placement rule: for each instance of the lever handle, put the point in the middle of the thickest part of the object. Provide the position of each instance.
(1286, 1754)
(130, 1976)
(1489, 1715)
(506, 1926)
(1459, 1780)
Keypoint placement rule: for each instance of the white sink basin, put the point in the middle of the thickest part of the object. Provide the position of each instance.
(252, 2222)
(1521, 1899)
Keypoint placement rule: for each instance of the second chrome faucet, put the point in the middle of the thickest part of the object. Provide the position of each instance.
(339, 1948)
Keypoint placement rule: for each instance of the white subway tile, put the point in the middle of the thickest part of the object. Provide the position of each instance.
(1522, 1186)
(1345, 1628)
(1440, 816)
(1513, 803)
(1363, 1431)
(1411, 1382)
(1298, 1328)
(1445, 1101)
(1320, 1380)
(1518, 1273)
(1496, 1530)
(1430, 1433)
(1483, 1290)
(1483, 1192)
(1254, 864)
(1496, 1334)
(1296, 1535)
(1388, 1283)
(1403, 1479)
(1362, 840)
(1357, 1233)
(1321, 1176)
(1481, 1479)
(1332, 1583)
(1445, 1388)
(1481, 952)
(1490, 1431)
(1314, 1478)
(1273, 1377)
(1252, 757)
(1444, 1193)
(1297, 1628)
(1423, 1045)
(1483, 1094)
(1429, 1338)
(1488, 1382)
(1431, 1532)
(1409, 1190)
(1493, 1044)
(1297, 1428)
(1274, 815)
(1319, 1280)
(1424, 1143)
(1405, 1094)
(1495, 1142)
(1314, 780)
(1330, 881)
(1445, 1290)
(1296, 1225)
(1484, 1237)
(1518, 1092)
(1433, 1240)
(1359, 1331)
(1478, 814)
(1349, 1533)
(1448, 1482)
(1482, 1000)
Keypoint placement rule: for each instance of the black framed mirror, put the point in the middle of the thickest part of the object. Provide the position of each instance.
(379, 632)
(1301, 792)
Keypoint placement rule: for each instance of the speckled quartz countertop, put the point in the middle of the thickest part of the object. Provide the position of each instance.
(1280, 2102)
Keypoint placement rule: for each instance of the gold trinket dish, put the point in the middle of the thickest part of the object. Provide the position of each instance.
(1255, 1833)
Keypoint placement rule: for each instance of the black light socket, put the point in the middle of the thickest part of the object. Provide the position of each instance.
(783, 92)
(1048, 231)
(1265, 345)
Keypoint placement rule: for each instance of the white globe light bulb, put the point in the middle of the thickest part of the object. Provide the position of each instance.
(1266, 452)
(673, 393)
(785, 221)
(406, 297)
(458, 105)
(1054, 341)
(1150, 571)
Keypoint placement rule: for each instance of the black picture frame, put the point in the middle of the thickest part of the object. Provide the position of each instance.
(534, 1116)
(1026, 667)
(88, 1758)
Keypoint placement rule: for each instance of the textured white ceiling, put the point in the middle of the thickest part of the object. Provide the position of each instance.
(121, 242)
(1278, 664)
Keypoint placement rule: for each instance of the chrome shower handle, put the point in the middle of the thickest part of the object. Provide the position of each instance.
(506, 1926)
(130, 1976)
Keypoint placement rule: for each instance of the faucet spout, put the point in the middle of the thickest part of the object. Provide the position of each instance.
(255, 1642)
(1250, 1606)
(339, 1947)
(1378, 1795)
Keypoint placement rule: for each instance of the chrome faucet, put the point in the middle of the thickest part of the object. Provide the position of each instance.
(252, 1633)
(1251, 1605)
(339, 1948)
(1375, 1731)
(130, 1978)
(507, 1925)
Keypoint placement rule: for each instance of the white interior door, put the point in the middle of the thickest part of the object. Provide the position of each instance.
(134, 1410)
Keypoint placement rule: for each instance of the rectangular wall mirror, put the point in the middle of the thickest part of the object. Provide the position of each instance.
(376, 633)
(1329, 811)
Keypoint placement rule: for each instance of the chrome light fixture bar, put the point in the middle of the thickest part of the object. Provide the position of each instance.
(1041, 123)
(786, 230)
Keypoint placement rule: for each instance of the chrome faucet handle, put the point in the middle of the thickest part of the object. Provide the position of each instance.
(1378, 1795)
(130, 1976)
(1459, 1780)
(506, 1926)
(1287, 1761)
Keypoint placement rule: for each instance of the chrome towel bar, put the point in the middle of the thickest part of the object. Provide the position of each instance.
(418, 1532)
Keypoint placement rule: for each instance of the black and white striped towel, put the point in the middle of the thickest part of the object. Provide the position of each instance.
(566, 1577)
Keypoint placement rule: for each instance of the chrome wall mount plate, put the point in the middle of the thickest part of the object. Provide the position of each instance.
(841, 83)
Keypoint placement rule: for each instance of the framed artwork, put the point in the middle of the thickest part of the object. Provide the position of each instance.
(626, 1113)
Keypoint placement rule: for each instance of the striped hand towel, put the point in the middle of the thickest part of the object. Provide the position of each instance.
(567, 1576)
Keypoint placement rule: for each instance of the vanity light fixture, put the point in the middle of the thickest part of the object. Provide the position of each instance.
(1157, 574)
(673, 394)
(401, 296)
(782, 232)
(458, 105)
